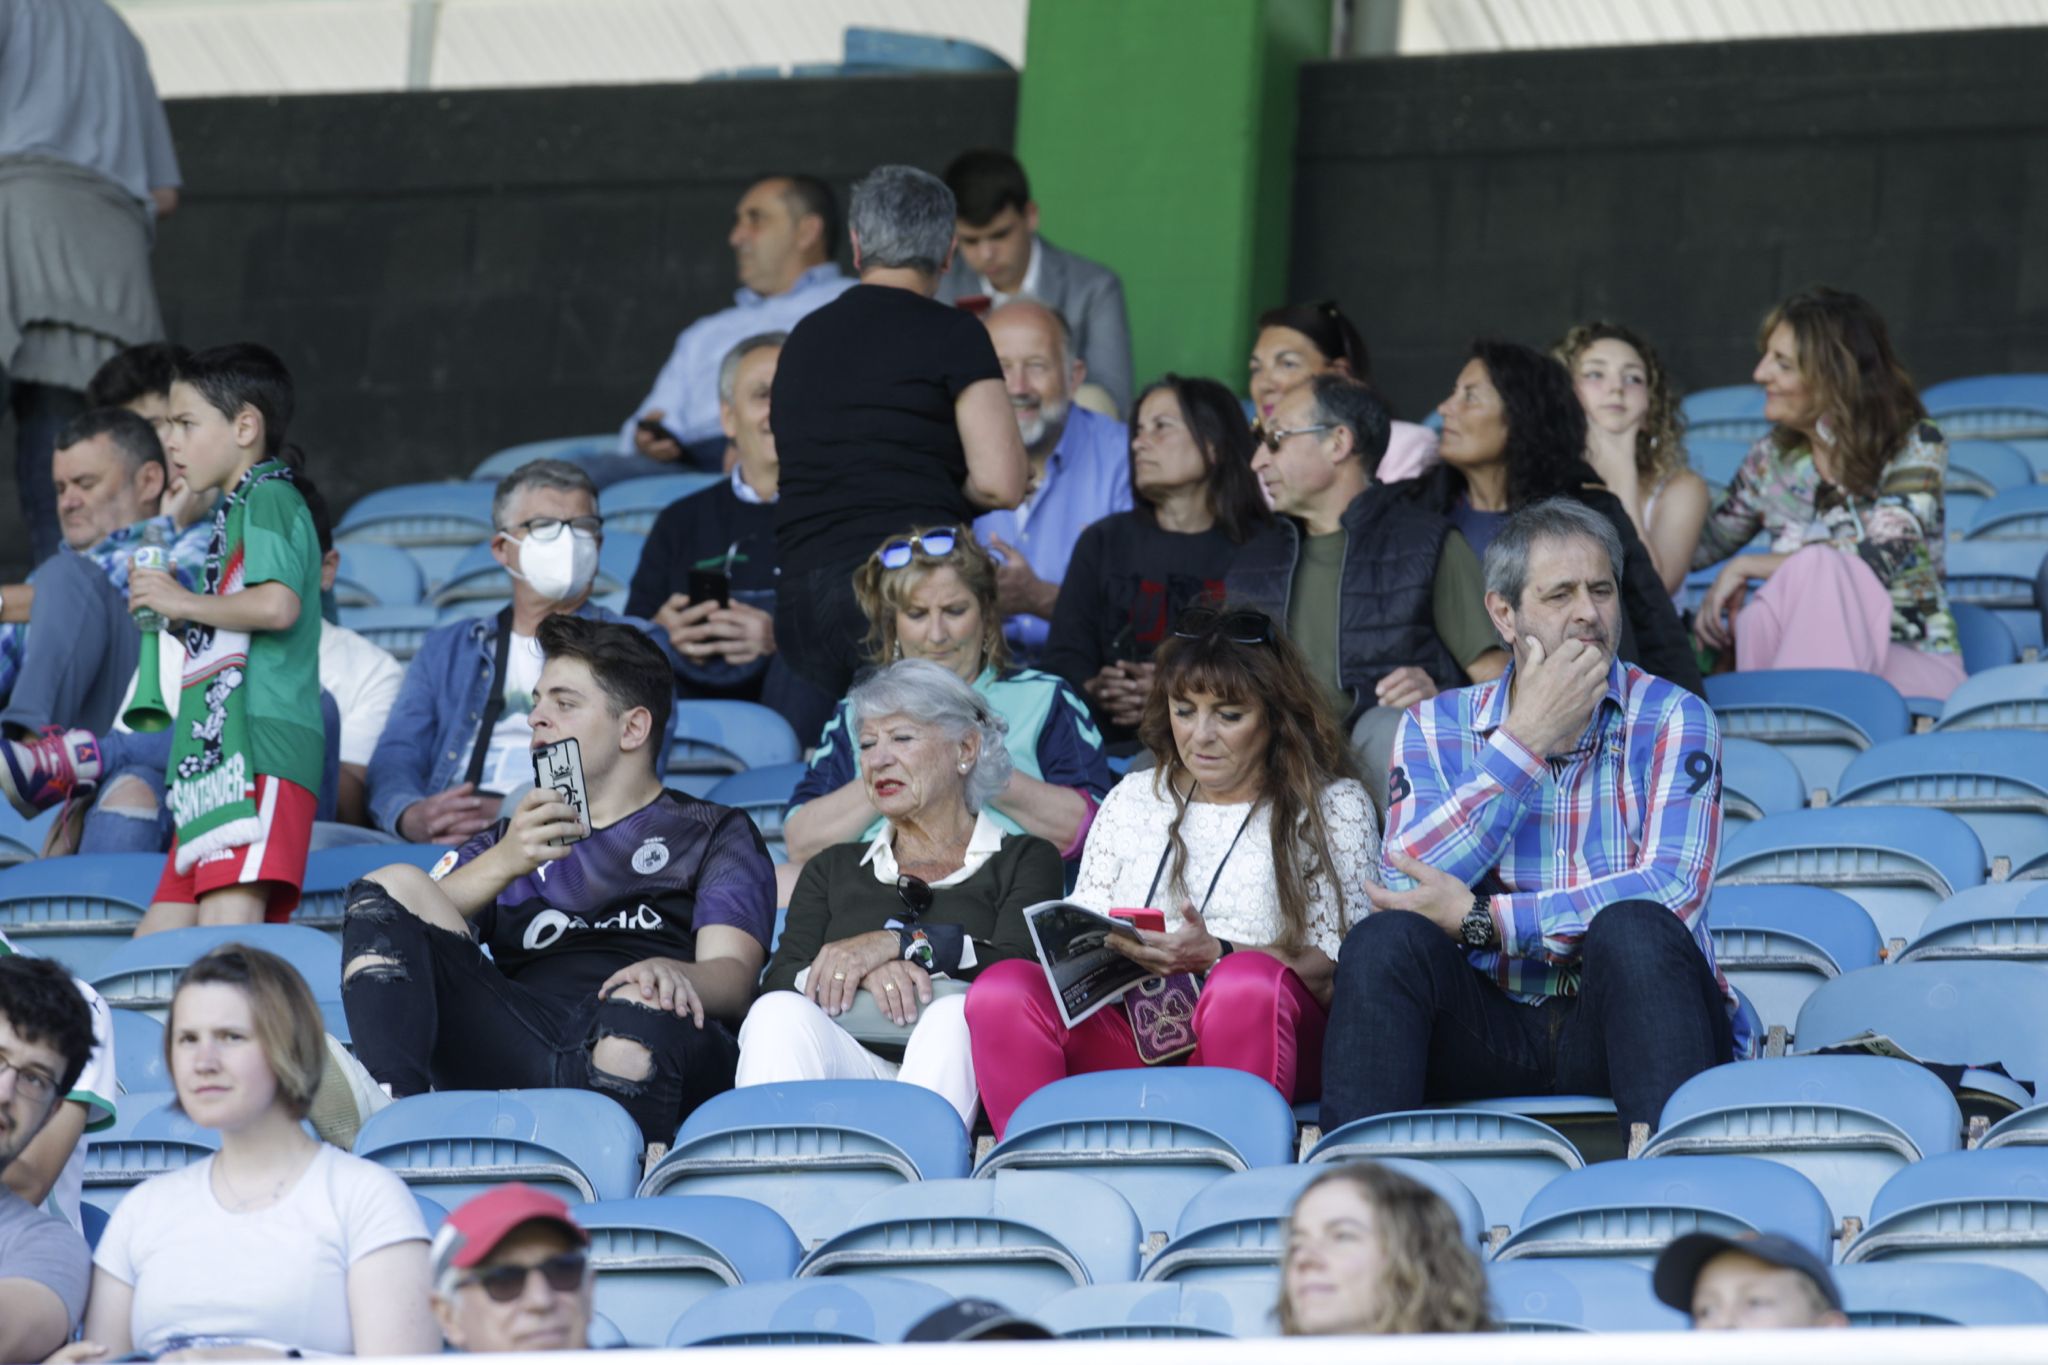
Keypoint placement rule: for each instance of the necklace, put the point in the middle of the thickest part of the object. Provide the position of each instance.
(261, 1199)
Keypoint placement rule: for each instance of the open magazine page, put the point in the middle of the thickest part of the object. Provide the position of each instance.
(1085, 973)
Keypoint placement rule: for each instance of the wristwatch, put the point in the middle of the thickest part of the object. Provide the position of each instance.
(1477, 929)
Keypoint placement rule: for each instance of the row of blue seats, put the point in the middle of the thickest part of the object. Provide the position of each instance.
(2012, 408)
(461, 579)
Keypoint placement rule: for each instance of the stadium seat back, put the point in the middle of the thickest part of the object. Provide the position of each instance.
(398, 631)
(1757, 780)
(1585, 1121)
(1820, 718)
(845, 1311)
(2010, 698)
(1897, 862)
(881, 49)
(1573, 1294)
(631, 505)
(1502, 1158)
(1158, 1135)
(139, 1055)
(654, 1257)
(1997, 783)
(717, 736)
(2000, 921)
(816, 1152)
(1997, 569)
(1019, 1238)
(148, 1137)
(1730, 402)
(413, 514)
(763, 792)
(2026, 1128)
(1938, 1294)
(1717, 459)
(141, 973)
(323, 900)
(1778, 944)
(1970, 1014)
(1985, 639)
(1139, 1312)
(1848, 1124)
(1981, 1207)
(79, 909)
(375, 574)
(1628, 1210)
(454, 1144)
(574, 449)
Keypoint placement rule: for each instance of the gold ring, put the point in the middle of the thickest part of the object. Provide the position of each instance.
(888, 985)
(839, 976)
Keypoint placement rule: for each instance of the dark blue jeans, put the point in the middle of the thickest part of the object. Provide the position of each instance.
(1412, 1024)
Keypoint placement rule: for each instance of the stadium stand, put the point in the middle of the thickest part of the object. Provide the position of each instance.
(1502, 1158)
(1630, 1209)
(1757, 780)
(452, 1144)
(850, 1311)
(1139, 1312)
(1819, 718)
(77, 910)
(149, 1135)
(656, 1257)
(1778, 944)
(1987, 1207)
(2002, 921)
(1572, 1294)
(1898, 863)
(1932, 1294)
(1997, 784)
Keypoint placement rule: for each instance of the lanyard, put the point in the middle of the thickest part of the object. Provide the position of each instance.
(1158, 871)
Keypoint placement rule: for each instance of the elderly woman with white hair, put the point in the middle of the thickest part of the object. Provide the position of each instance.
(938, 894)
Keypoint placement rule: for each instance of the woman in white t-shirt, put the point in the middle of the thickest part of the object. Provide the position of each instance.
(278, 1242)
(1252, 835)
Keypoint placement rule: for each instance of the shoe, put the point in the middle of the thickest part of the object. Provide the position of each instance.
(346, 1096)
(38, 773)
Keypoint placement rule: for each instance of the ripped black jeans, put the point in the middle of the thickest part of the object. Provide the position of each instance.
(443, 1017)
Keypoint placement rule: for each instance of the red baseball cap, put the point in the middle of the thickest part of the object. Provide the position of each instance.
(473, 1231)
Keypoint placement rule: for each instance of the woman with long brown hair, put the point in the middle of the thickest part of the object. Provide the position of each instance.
(1253, 836)
(1372, 1252)
(1848, 486)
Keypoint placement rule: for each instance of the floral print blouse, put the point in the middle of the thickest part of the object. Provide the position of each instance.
(1900, 533)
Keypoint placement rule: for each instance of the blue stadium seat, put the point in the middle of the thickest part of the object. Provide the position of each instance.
(1157, 1134)
(762, 791)
(140, 973)
(77, 909)
(139, 1055)
(2013, 698)
(1999, 921)
(1977, 472)
(396, 630)
(2027, 1128)
(816, 1152)
(1585, 1121)
(654, 1257)
(1502, 1158)
(841, 1312)
(1997, 784)
(454, 1144)
(1757, 780)
(1989, 1208)
(1232, 1236)
(729, 737)
(147, 1137)
(2016, 514)
(1018, 1239)
(633, 504)
(419, 514)
(431, 1213)
(1820, 718)
(323, 897)
(2007, 407)
(1896, 862)
(1984, 638)
(374, 574)
(1138, 1312)
(1779, 944)
(1848, 1124)
(1728, 401)
(1970, 1014)
(1933, 1294)
(1574, 1294)
(1630, 1209)
(1999, 576)
(1716, 460)
(881, 49)
(21, 841)
(570, 448)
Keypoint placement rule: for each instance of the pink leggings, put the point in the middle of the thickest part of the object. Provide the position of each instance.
(1824, 608)
(1254, 1014)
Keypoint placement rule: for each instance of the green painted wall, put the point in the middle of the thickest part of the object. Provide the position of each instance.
(1159, 135)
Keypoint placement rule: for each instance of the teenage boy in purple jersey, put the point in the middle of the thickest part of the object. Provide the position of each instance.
(620, 962)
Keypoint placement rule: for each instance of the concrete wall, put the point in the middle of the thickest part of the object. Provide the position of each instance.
(1682, 190)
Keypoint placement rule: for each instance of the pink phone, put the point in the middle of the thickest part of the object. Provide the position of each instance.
(1144, 917)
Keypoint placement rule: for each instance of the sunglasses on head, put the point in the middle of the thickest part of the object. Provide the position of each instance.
(504, 1283)
(896, 554)
(1242, 627)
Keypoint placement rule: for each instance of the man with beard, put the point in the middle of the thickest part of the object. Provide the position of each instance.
(1080, 468)
(1550, 844)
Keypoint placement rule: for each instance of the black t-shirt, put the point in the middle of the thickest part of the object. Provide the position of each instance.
(864, 423)
(640, 887)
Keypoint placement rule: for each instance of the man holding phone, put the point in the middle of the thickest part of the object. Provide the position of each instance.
(625, 939)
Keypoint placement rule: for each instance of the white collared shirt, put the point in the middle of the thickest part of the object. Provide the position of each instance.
(744, 491)
(1027, 289)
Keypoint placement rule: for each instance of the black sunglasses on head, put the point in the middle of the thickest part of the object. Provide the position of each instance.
(1240, 627)
(504, 1283)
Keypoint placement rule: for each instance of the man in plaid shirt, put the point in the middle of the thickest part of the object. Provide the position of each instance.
(1550, 844)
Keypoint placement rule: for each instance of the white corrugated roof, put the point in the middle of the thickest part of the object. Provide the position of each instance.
(1441, 26)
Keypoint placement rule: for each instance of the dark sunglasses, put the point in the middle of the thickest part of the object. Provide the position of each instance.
(504, 1283)
(916, 893)
(896, 554)
(1241, 627)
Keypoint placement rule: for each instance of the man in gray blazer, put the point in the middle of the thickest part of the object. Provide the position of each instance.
(1001, 256)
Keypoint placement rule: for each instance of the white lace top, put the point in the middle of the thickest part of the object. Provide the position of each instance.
(1130, 833)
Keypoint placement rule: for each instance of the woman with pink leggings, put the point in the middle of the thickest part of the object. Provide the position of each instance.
(1252, 834)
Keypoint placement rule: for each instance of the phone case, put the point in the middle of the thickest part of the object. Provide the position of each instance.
(560, 766)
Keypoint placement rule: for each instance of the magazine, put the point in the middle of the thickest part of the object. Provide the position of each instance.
(1073, 944)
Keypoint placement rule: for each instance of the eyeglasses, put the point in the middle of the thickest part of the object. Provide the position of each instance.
(37, 1087)
(895, 554)
(504, 1283)
(916, 893)
(1241, 627)
(1274, 437)
(550, 528)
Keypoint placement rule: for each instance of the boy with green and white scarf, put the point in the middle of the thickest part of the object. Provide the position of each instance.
(248, 744)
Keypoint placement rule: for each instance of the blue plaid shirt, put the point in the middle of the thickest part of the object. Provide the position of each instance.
(1631, 812)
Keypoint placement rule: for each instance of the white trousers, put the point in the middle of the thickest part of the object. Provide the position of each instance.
(787, 1038)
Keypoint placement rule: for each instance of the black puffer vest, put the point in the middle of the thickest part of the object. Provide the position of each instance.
(1387, 619)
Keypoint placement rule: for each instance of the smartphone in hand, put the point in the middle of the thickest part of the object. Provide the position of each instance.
(560, 766)
(705, 586)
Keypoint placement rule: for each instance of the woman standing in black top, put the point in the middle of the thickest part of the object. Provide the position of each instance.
(1194, 501)
(889, 412)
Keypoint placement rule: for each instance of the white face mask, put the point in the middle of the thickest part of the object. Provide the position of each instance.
(557, 569)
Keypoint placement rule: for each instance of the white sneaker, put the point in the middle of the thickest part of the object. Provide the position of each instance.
(346, 1097)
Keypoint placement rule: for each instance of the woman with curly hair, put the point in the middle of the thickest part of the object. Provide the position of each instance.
(1253, 836)
(1371, 1251)
(1298, 341)
(1848, 487)
(1633, 427)
(1514, 433)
